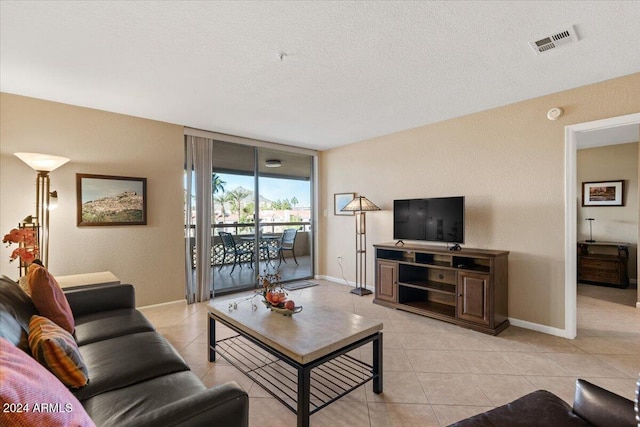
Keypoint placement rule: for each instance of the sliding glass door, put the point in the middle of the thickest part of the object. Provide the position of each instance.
(233, 182)
(262, 211)
(285, 211)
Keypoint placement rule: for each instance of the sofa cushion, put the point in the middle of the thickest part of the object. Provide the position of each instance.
(11, 329)
(49, 298)
(110, 324)
(126, 360)
(57, 351)
(18, 306)
(115, 407)
(25, 382)
(538, 409)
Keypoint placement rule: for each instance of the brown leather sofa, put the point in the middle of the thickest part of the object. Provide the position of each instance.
(592, 406)
(136, 378)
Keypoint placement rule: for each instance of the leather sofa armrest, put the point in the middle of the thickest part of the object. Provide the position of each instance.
(601, 407)
(225, 405)
(101, 298)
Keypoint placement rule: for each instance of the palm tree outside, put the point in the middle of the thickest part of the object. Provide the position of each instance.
(236, 196)
(222, 199)
(217, 184)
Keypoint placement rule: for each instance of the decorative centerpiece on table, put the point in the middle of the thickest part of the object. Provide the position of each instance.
(275, 297)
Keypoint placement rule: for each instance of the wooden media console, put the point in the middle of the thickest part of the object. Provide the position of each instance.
(466, 287)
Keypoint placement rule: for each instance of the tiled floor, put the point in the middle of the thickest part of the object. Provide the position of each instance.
(437, 373)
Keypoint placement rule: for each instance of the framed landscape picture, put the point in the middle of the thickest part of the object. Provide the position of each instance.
(340, 200)
(111, 200)
(603, 193)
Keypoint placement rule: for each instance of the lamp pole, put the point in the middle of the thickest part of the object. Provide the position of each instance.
(590, 229)
(43, 164)
(360, 205)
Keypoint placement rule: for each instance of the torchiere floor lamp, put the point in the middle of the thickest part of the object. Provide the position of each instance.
(360, 205)
(43, 164)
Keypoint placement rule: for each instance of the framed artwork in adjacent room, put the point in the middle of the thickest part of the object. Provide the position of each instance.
(603, 193)
(111, 200)
(340, 200)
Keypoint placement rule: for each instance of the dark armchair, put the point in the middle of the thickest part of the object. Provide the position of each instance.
(287, 243)
(230, 248)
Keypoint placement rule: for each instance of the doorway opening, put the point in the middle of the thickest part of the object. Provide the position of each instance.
(576, 137)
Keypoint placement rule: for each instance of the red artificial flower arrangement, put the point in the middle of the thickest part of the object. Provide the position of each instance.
(26, 238)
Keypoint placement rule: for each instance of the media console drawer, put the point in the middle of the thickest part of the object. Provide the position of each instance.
(600, 264)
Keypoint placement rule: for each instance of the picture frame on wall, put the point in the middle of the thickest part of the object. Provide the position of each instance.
(603, 193)
(340, 200)
(106, 200)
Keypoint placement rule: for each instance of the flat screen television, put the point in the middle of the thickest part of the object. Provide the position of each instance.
(438, 219)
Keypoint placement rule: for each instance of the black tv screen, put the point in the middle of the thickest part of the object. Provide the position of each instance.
(439, 219)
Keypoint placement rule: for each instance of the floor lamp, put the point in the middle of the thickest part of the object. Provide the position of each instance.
(43, 164)
(360, 205)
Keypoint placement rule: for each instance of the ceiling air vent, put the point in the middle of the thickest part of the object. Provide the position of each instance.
(551, 42)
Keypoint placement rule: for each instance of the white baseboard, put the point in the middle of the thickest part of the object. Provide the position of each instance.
(336, 280)
(539, 328)
(162, 303)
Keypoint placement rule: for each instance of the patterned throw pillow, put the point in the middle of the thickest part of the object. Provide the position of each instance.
(31, 396)
(57, 351)
(48, 297)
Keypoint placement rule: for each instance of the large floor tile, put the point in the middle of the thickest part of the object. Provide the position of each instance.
(627, 363)
(449, 414)
(399, 387)
(483, 362)
(433, 361)
(435, 373)
(502, 389)
(586, 365)
(534, 364)
(402, 415)
(342, 413)
(452, 389)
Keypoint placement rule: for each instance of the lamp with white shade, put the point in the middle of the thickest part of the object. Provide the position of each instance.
(43, 164)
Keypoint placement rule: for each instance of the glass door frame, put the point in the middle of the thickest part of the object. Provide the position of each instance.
(257, 145)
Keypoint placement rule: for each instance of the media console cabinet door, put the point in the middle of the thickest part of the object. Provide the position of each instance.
(387, 278)
(473, 298)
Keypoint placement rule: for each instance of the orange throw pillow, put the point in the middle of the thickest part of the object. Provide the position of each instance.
(48, 297)
(31, 396)
(57, 351)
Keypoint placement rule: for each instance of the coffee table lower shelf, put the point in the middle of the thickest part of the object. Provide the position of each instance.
(329, 381)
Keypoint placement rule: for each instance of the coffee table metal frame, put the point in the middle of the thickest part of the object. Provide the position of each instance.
(298, 386)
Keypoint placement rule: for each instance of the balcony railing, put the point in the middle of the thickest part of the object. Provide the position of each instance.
(248, 229)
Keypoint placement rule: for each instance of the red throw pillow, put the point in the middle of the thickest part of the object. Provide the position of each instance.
(31, 396)
(48, 297)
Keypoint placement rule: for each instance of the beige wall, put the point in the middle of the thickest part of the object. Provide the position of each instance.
(617, 223)
(150, 257)
(508, 162)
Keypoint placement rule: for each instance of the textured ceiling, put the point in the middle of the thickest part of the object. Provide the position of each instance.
(352, 71)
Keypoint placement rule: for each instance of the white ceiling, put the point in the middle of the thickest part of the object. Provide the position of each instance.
(353, 70)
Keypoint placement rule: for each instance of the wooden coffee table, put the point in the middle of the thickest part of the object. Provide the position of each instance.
(301, 360)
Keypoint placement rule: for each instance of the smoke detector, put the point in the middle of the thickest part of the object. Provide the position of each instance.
(553, 41)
